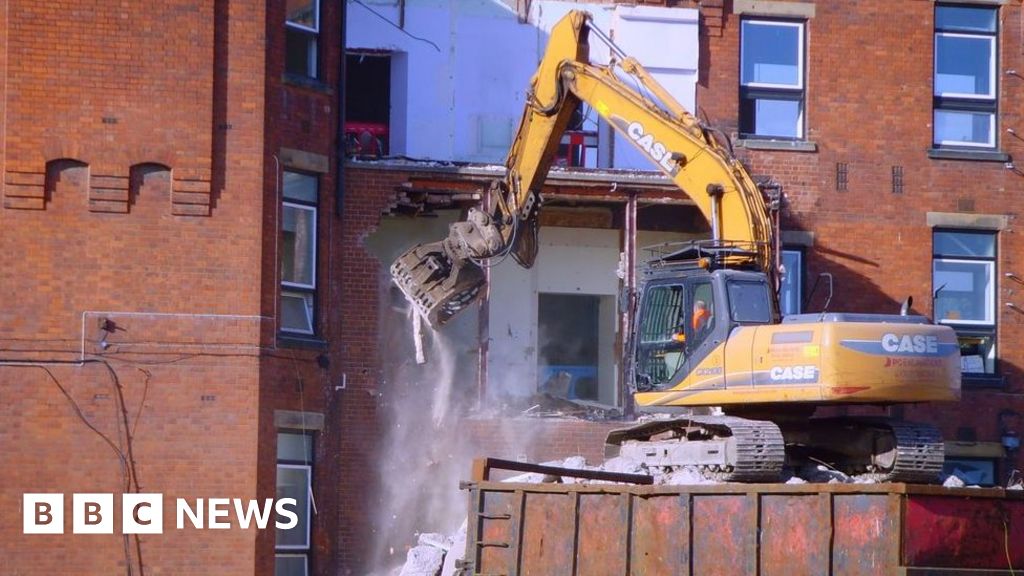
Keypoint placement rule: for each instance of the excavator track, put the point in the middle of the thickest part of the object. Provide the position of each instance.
(724, 448)
(913, 454)
(734, 449)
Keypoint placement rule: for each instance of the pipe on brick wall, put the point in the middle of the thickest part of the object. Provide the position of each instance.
(339, 178)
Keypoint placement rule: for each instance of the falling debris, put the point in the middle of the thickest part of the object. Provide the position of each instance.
(417, 336)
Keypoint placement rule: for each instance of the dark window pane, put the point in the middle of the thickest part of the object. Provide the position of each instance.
(293, 482)
(965, 244)
(749, 302)
(297, 312)
(301, 187)
(303, 13)
(964, 18)
(295, 447)
(960, 127)
(771, 54)
(963, 65)
(290, 565)
(298, 245)
(300, 52)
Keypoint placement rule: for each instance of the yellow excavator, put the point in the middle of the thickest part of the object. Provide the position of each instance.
(706, 330)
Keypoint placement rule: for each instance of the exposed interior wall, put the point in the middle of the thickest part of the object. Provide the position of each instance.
(458, 93)
(570, 261)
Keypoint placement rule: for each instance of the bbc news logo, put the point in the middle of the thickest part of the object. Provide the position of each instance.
(144, 513)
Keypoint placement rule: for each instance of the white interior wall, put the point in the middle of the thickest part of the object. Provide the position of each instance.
(463, 99)
(570, 261)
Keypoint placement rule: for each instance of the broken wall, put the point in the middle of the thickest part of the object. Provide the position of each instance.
(458, 89)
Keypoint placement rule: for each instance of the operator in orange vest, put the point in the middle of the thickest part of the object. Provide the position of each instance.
(701, 315)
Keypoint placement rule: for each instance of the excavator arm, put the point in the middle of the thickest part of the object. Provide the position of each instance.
(441, 278)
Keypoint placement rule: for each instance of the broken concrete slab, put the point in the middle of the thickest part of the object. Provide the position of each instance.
(423, 561)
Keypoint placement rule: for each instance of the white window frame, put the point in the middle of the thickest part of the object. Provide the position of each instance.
(990, 143)
(990, 296)
(770, 91)
(309, 519)
(316, 17)
(991, 95)
(957, 102)
(312, 209)
(800, 53)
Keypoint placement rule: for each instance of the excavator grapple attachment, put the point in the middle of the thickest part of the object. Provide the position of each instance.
(437, 285)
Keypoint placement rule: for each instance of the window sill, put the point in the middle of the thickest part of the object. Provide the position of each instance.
(983, 381)
(288, 340)
(975, 155)
(778, 145)
(306, 82)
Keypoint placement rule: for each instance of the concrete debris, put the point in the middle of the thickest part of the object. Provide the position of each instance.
(436, 554)
(820, 473)
(423, 561)
(436, 540)
(623, 465)
(456, 553)
(684, 476)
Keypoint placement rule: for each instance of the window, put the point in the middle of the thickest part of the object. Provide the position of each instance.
(791, 291)
(965, 76)
(294, 480)
(964, 293)
(661, 341)
(749, 302)
(298, 253)
(367, 103)
(772, 79)
(302, 37)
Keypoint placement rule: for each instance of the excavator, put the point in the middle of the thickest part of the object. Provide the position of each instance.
(707, 345)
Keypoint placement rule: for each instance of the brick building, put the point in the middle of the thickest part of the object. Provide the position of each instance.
(144, 150)
(194, 306)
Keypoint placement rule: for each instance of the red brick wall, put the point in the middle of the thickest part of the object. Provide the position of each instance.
(157, 218)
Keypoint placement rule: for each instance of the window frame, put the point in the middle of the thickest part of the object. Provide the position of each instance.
(966, 103)
(292, 550)
(287, 286)
(753, 91)
(316, 16)
(973, 328)
(312, 36)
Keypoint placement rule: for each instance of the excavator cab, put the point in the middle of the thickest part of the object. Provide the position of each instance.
(685, 317)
